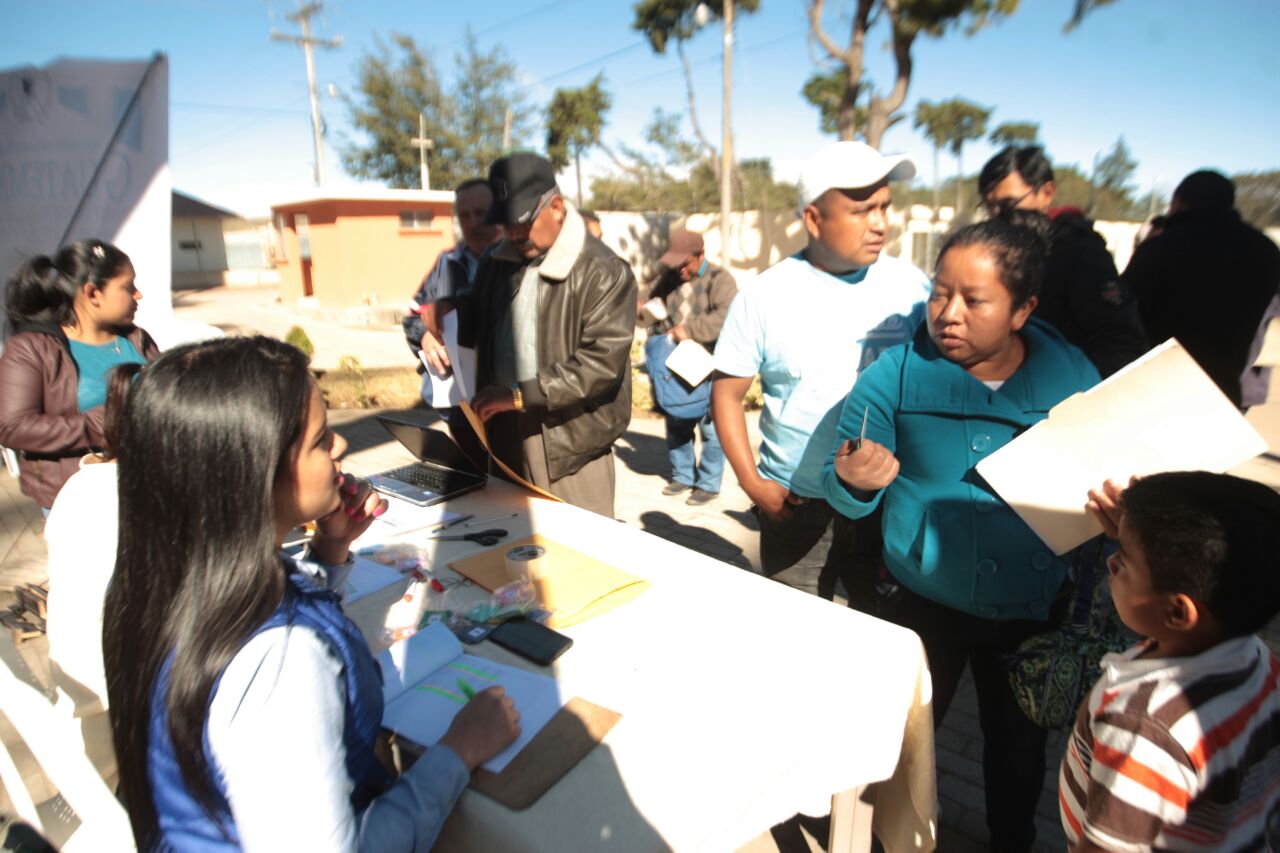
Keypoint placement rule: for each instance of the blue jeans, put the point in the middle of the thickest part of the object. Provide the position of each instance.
(705, 474)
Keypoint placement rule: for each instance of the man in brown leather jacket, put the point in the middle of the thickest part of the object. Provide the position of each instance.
(551, 315)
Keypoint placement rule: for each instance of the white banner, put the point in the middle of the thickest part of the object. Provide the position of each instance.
(84, 152)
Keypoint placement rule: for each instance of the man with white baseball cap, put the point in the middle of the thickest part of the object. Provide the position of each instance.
(807, 326)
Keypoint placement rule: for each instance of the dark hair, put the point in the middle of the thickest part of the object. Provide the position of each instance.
(119, 381)
(43, 289)
(1017, 241)
(1029, 161)
(470, 183)
(1213, 537)
(589, 215)
(1207, 190)
(205, 434)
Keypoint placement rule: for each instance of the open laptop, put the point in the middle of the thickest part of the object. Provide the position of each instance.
(442, 472)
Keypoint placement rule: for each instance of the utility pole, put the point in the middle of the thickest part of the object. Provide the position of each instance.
(507, 120)
(424, 145)
(726, 140)
(303, 18)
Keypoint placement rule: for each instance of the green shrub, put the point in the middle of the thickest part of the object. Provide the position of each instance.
(297, 336)
(351, 367)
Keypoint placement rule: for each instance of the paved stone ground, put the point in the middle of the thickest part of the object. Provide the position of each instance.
(724, 529)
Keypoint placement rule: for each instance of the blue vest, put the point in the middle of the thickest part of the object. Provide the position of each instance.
(183, 824)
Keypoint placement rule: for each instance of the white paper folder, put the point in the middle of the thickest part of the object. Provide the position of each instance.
(1160, 413)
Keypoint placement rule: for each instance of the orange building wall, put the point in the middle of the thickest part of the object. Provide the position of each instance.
(359, 253)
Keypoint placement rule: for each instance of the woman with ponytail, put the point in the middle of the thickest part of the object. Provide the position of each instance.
(72, 318)
(974, 580)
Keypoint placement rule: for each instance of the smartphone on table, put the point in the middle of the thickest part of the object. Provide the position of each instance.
(531, 640)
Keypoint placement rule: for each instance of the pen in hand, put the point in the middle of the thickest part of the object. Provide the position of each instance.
(862, 436)
(466, 690)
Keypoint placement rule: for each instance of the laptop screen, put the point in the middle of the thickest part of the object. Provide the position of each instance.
(429, 444)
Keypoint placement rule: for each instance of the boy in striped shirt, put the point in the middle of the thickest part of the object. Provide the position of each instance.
(1178, 745)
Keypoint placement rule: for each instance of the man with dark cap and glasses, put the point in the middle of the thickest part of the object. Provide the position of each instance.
(1082, 295)
(551, 315)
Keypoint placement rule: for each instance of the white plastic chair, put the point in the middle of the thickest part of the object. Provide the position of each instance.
(58, 747)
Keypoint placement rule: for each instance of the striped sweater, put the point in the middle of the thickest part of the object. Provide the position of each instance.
(1178, 753)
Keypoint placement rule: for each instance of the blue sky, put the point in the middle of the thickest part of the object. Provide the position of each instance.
(1187, 84)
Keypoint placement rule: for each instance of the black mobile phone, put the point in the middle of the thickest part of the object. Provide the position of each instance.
(531, 641)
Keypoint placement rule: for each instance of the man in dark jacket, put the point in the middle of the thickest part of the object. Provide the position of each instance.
(1082, 294)
(1206, 279)
(551, 315)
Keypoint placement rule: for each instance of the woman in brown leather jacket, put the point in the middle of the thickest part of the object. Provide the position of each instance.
(72, 316)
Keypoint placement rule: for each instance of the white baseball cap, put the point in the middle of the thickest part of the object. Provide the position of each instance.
(850, 165)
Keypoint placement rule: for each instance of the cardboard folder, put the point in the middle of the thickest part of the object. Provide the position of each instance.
(553, 752)
(575, 587)
(1160, 413)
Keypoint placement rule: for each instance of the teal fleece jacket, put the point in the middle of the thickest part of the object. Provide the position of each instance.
(947, 535)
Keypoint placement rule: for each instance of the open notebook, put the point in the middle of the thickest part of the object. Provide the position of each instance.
(421, 692)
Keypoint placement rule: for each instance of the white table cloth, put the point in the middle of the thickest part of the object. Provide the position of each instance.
(743, 701)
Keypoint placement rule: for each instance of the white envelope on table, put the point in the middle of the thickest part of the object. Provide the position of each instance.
(457, 387)
(1160, 413)
(691, 362)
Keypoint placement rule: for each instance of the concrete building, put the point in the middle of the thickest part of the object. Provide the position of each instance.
(213, 246)
(359, 247)
(199, 252)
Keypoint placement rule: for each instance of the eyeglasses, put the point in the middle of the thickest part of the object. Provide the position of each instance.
(996, 207)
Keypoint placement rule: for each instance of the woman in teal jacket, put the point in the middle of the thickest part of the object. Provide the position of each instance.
(975, 580)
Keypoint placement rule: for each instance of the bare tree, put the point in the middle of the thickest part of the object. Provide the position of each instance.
(906, 19)
(666, 21)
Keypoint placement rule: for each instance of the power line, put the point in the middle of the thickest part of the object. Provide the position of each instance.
(557, 4)
(280, 112)
(716, 57)
(238, 108)
(590, 62)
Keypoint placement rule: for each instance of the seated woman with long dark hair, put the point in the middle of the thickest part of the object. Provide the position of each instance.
(244, 704)
(975, 580)
(72, 317)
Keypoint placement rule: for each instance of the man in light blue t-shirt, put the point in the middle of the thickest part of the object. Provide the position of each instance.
(807, 326)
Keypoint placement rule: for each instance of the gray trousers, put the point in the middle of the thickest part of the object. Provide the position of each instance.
(518, 441)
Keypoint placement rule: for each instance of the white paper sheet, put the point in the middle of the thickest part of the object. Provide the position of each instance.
(367, 577)
(653, 311)
(458, 386)
(421, 678)
(1161, 413)
(691, 362)
(402, 517)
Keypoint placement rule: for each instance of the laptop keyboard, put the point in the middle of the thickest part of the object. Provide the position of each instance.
(428, 478)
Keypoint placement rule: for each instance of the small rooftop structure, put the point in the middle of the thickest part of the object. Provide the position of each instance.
(359, 246)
